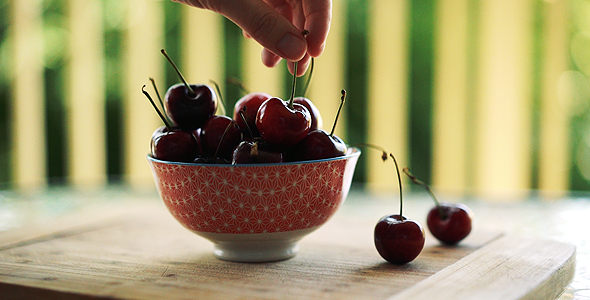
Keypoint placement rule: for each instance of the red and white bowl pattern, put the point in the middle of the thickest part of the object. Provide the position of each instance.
(250, 199)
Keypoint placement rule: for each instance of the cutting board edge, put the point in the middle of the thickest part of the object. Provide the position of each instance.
(568, 270)
(551, 287)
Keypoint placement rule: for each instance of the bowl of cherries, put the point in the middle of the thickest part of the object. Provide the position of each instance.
(253, 184)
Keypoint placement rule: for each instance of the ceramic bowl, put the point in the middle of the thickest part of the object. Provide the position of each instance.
(254, 212)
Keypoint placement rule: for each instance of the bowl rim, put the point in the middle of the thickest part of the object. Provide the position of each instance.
(350, 152)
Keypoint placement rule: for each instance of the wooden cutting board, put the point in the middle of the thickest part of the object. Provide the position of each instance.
(137, 251)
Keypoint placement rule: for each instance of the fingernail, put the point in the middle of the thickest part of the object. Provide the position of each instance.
(292, 47)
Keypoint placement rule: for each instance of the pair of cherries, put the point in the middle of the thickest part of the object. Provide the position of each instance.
(191, 126)
(264, 129)
(400, 240)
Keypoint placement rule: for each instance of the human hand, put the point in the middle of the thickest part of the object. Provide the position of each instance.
(278, 26)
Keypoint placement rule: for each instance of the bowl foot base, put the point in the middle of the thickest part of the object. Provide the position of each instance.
(259, 251)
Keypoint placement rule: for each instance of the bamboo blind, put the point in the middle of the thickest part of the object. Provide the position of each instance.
(482, 106)
(29, 139)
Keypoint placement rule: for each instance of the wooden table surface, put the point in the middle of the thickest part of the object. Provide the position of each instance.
(121, 244)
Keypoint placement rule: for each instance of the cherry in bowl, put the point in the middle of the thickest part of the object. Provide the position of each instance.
(254, 212)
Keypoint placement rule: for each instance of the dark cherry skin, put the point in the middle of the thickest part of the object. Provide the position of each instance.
(188, 111)
(316, 117)
(212, 136)
(197, 134)
(173, 145)
(398, 240)
(449, 222)
(249, 105)
(249, 152)
(317, 144)
(282, 125)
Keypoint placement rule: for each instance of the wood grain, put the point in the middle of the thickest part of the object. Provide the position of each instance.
(140, 252)
(509, 268)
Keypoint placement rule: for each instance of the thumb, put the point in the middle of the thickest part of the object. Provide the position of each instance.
(266, 26)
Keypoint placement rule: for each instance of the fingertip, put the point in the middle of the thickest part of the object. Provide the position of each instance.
(316, 43)
(270, 28)
(292, 47)
(316, 51)
(302, 66)
(318, 19)
(269, 59)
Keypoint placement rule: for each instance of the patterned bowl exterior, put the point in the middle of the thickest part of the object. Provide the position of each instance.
(254, 198)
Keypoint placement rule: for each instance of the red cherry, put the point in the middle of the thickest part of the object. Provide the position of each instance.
(249, 152)
(219, 137)
(316, 117)
(282, 123)
(317, 144)
(249, 104)
(175, 145)
(449, 222)
(190, 109)
(189, 105)
(397, 239)
(197, 134)
(170, 143)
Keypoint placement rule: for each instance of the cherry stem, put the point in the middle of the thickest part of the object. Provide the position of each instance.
(417, 181)
(238, 83)
(159, 99)
(254, 149)
(399, 181)
(383, 151)
(191, 92)
(342, 98)
(221, 141)
(157, 92)
(218, 90)
(156, 108)
(305, 32)
(241, 112)
(307, 83)
(293, 85)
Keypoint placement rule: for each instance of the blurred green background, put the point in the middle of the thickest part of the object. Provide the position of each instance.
(421, 45)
